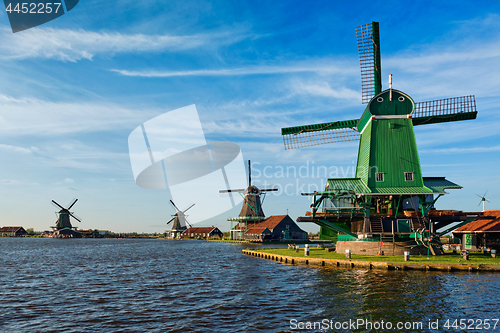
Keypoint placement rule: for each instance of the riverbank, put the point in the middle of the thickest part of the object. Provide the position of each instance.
(320, 257)
(270, 242)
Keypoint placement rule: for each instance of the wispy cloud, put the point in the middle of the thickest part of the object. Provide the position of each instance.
(457, 65)
(462, 150)
(74, 45)
(29, 116)
(17, 149)
(314, 66)
(324, 89)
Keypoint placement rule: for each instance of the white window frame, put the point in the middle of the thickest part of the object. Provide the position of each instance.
(378, 178)
(409, 175)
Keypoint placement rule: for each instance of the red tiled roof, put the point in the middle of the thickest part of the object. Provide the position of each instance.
(199, 230)
(489, 221)
(9, 229)
(271, 222)
(256, 230)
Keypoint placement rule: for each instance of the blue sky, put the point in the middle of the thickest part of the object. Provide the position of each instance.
(73, 89)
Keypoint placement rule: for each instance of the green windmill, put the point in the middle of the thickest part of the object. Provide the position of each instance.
(389, 197)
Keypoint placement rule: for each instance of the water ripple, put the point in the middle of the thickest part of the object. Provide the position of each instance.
(137, 285)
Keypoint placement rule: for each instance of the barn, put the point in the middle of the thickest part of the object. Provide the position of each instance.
(482, 232)
(202, 232)
(275, 227)
(12, 231)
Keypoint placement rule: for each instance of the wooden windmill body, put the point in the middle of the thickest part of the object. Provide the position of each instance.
(63, 227)
(251, 211)
(180, 222)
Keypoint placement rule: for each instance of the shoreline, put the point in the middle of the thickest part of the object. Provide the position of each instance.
(353, 263)
(271, 242)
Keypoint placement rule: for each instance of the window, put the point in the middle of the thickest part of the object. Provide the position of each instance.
(409, 176)
(379, 176)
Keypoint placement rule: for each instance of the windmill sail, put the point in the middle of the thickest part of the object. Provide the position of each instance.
(368, 38)
(311, 135)
(445, 110)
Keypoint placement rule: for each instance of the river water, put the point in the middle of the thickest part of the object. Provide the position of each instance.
(155, 285)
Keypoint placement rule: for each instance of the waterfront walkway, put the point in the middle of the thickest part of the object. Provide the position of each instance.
(408, 265)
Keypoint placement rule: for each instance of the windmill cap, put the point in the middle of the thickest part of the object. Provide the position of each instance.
(382, 105)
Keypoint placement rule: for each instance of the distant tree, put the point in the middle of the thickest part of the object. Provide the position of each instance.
(30, 231)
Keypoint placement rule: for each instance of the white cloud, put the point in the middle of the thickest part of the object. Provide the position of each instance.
(69, 180)
(17, 149)
(16, 183)
(462, 150)
(74, 45)
(443, 69)
(324, 89)
(33, 116)
(323, 67)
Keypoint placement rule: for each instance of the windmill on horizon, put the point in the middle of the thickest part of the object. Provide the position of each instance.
(180, 221)
(63, 225)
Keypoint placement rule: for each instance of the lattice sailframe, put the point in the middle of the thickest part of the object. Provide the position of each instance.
(444, 107)
(369, 58)
(313, 138)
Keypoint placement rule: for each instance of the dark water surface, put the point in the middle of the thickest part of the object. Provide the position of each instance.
(143, 285)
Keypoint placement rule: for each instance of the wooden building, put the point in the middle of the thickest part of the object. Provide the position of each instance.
(258, 233)
(12, 231)
(482, 232)
(202, 232)
(275, 227)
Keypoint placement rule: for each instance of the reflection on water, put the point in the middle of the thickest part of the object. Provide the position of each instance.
(179, 286)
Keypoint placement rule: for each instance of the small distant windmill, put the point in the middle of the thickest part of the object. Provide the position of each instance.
(179, 220)
(483, 200)
(63, 222)
(252, 205)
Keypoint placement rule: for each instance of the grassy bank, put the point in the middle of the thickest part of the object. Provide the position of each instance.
(271, 242)
(448, 258)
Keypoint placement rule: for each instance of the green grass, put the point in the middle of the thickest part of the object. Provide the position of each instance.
(448, 258)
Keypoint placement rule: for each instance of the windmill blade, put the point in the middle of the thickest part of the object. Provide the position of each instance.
(228, 191)
(185, 210)
(311, 135)
(445, 110)
(183, 220)
(249, 174)
(368, 38)
(175, 206)
(268, 189)
(74, 202)
(173, 218)
(58, 205)
(73, 216)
